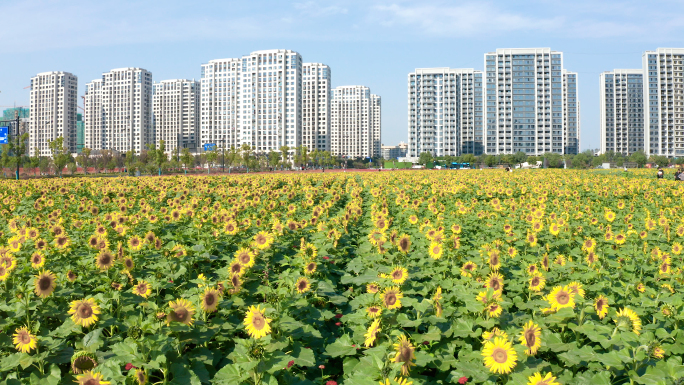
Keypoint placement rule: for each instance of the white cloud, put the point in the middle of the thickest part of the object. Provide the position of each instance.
(314, 8)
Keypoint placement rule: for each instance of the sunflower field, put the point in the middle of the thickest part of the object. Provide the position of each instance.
(426, 277)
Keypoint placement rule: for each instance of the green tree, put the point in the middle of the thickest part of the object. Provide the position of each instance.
(129, 161)
(211, 157)
(246, 151)
(284, 153)
(60, 154)
(520, 157)
(490, 160)
(72, 167)
(582, 160)
(273, 159)
(424, 158)
(639, 158)
(660, 160)
(187, 159)
(34, 161)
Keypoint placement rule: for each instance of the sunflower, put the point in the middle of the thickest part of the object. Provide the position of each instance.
(230, 228)
(84, 312)
(537, 282)
(45, 283)
(609, 215)
(235, 284)
(436, 250)
(62, 242)
(499, 356)
(512, 252)
(372, 333)
(142, 289)
(37, 260)
(71, 276)
(404, 353)
(181, 311)
(179, 251)
(90, 378)
(561, 297)
(374, 311)
(309, 251)
(210, 300)
(245, 257)
(391, 298)
(404, 243)
(588, 245)
(372, 288)
(468, 268)
(398, 380)
(398, 275)
(235, 268)
(135, 243)
(82, 362)
(262, 240)
(658, 352)
(601, 306)
(591, 258)
(576, 289)
(496, 332)
(140, 376)
(128, 263)
(256, 323)
(665, 267)
(531, 238)
(537, 379)
(302, 285)
(493, 310)
(530, 337)
(310, 268)
(628, 316)
(24, 341)
(532, 269)
(104, 260)
(494, 260)
(495, 281)
(640, 287)
(554, 229)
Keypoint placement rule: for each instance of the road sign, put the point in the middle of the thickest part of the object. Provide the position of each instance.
(3, 135)
(209, 146)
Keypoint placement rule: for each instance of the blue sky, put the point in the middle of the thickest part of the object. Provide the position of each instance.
(371, 42)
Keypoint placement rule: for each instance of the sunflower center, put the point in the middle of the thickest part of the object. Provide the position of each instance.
(302, 285)
(181, 314)
(244, 258)
(261, 240)
(495, 284)
(92, 381)
(403, 244)
(535, 281)
(236, 268)
(85, 311)
(105, 260)
(530, 338)
(563, 298)
(495, 260)
(599, 305)
(258, 321)
(390, 299)
(36, 259)
(500, 355)
(209, 299)
(25, 338)
(44, 283)
(397, 274)
(235, 281)
(311, 266)
(436, 250)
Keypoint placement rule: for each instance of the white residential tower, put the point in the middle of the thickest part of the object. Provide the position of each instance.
(175, 113)
(52, 111)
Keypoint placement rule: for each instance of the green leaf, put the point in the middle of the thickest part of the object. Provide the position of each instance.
(62, 356)
(340, 348)
(10, 362)
(182, 376)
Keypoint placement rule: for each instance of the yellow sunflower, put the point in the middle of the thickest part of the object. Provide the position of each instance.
(496, 332)
(404, 353)
(391, 297)
(310, 268)
(245, 257)
(37, 260)
(374, 311)
(398, 275)
(142, 289)
(236, 268)
(493, 310)
(181, 311)
(468, 268)
(230, 228)
(372, 333)
(537, 282)
(495, 281)
(90, 378)
(128, 263)
(372, 288)
(84, 312)
(45, 283)
(626, 317)
(135, 243)
(24, 341)
(256, 323)
(210, 300)
(530, 337)
(576, 289)
(499, 356)
(104, 260)
(436, 250)
(601, 306)
(537, 379)
(398, 380)
(404, 243)
(302, 285)
(262, 240)
(561, 297)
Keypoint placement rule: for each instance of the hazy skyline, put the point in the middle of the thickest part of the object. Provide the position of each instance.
(371, 43)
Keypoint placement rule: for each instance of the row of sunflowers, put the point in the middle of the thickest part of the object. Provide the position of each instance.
(540, 277)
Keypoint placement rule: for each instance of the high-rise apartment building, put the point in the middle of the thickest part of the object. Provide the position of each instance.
(80, 133)
(664, 101)
(622, 111)
(354, 113)
(52, 111)
(11, 113)
(118, 111)
(92, 116)
(175, 106)
(316, 82)
(526, 102)
(571, 109)
(445, 112)
(254, 100)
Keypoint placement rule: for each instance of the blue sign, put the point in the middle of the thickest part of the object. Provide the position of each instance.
(3, 135)
(209, 146)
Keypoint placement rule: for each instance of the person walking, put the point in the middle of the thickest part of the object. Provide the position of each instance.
(660, 174)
